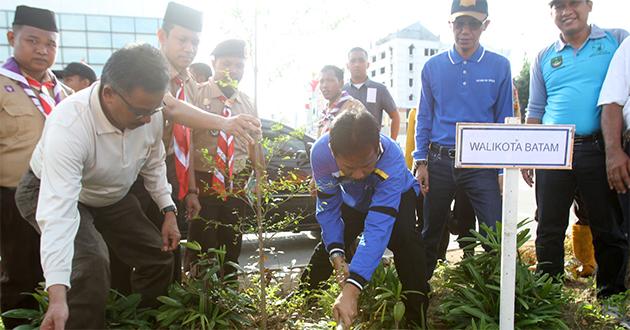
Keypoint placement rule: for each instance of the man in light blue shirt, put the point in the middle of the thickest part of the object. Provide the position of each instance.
(565, 83)
(467, 83)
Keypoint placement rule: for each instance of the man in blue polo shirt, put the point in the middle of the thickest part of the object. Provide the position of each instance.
(565, 82)
(363, 185)
(467, 83)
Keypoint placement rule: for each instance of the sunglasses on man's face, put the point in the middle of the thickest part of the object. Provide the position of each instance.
(139, 113)
(472, 24)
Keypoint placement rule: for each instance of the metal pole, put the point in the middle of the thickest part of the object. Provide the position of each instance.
(508, 243)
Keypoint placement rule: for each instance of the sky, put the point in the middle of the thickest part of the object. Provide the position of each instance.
(296, 38)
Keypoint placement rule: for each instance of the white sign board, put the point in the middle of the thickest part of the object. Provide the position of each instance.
(510, 146)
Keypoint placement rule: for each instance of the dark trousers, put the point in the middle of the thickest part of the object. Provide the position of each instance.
(405, 243)
(129, 234)
(121, 272)
(220, 227)
(481, 187)
(20, 268)
(555, 191)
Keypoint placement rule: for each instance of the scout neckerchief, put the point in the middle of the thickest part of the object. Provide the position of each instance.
(331, 112)
(181, 147)
(34, 89)
(224, 158)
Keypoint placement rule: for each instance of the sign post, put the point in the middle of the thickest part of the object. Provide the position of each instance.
(512, 146)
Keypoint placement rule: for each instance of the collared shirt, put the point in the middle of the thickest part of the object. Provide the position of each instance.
(565, 82)
(345, 102)
(208, 100)
(374, 96)
(378, 195)
(191, 88)
(82, 157)
(454, 89)
(21, 125)
(616, 87)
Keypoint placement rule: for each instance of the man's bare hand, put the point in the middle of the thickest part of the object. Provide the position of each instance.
(243, 127)
(57, 313)
(193, 207)
(341, 270)
(345, 307)
(528, 176)
(170, 232)
(422, 175)
(618, 170)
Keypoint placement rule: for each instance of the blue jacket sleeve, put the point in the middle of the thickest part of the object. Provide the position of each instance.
(379, 223)
(537, 90)
(424, 116)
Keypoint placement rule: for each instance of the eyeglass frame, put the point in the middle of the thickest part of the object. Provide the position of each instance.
(135, 111)
(474, 21)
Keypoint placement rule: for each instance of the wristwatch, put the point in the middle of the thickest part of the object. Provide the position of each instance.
(421, 162)
(170, 208)
(335, 255)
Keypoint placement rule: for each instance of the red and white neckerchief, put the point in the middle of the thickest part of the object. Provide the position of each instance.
(181, 147)
(35, 90)
(224, 158)
(329, 114)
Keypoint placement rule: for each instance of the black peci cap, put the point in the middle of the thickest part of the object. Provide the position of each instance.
(184, 16)
(36, 17)
(230, 48)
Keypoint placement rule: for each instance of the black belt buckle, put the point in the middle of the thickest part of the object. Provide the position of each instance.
(451, 153)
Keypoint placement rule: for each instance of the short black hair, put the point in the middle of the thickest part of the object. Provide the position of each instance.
(358, 49)
(335, 70)
(201, 68)
(136, 65)
(353, 131)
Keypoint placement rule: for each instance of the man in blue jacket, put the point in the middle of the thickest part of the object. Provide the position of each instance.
(363, 185)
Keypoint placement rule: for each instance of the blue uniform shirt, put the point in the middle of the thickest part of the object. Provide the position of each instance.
(457, 90)
(378, 195)
(565, 83)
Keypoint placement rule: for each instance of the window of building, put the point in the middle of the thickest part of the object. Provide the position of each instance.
(383, 55)
(151, 39)
(98, 23)
(373, 73)
(373, 59)
(411, 48)
(410, 66)
(99, 39)
(119, 40)
(72, 22)
(98, 69)
(391, 68)
(4, 52)
(3, 19)
(433, 51)
(426, 52)
(391, 83)
(122, 24)
(74, 55)
(73, 39)
(410, 82)
(98, 56)
(3, 32)
(382, 70)
(410, 97)
(146, 25)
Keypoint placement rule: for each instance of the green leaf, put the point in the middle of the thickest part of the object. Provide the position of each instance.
(192, 245)
(399, 311)
(21, 313)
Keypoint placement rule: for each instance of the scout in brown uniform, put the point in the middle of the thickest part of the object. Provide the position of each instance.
(228, 157)
(330, 84)
(28, 93)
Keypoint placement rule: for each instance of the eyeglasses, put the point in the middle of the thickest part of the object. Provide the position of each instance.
(472, 24)
(561, 6)
(139, 113)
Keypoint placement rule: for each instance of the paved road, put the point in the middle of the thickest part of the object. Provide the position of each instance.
(296, 248)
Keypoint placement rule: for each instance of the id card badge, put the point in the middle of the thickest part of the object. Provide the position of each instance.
(371, 95)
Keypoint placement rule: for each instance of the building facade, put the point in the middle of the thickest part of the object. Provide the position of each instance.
(89, 38)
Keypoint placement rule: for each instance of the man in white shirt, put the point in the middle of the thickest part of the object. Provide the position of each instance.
(93, 147)
(614, 99)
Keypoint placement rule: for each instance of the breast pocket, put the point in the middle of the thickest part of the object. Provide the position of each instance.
(17, 122)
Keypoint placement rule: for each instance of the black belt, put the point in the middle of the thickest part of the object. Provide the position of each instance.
(587, 138)
(446, 151)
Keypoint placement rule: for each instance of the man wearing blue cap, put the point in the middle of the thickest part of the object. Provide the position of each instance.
(29, 92)
(467, 83)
